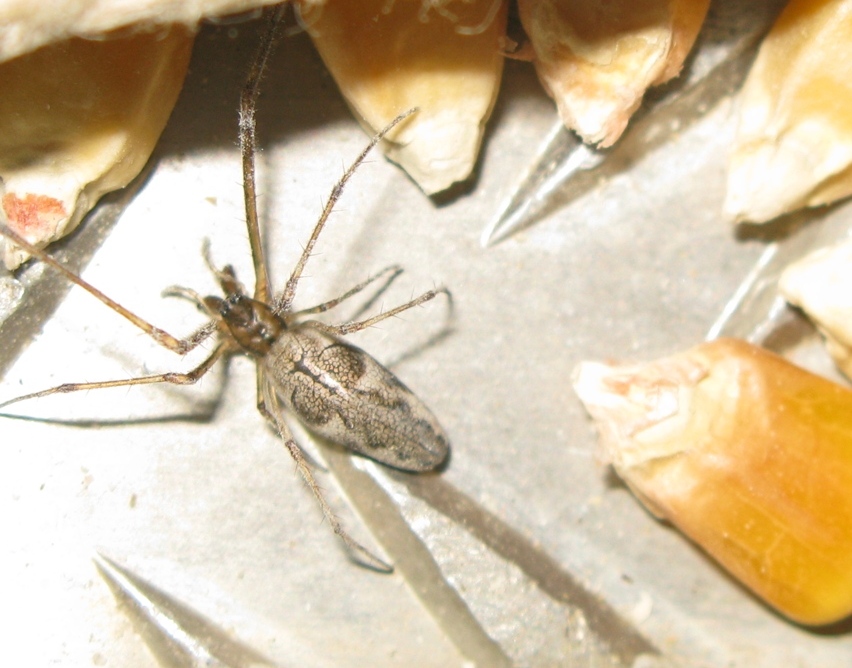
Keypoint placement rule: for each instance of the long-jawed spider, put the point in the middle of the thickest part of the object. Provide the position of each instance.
(305, 367)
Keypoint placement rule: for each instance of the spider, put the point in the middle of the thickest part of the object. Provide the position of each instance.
(304, 367)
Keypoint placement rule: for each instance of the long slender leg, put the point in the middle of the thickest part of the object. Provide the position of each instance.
(349, 327)
(394, 270)
(180, 346)
(248, 144)
(284, 302)
(174, 378)
(266, 399)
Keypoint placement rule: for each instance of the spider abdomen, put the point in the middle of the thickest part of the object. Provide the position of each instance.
(344, 395)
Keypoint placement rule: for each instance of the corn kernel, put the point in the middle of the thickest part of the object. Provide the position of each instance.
(596, 60)
(80, 119)
(443, 57)
(748, 455)
(819, 285)
(794, 141)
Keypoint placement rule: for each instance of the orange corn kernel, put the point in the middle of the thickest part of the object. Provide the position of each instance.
(748, 455)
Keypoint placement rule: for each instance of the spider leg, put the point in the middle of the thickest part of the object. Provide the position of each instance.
(267, 404)
(394, 270)
(284, 302)
(175, 378)
(248, 149)
(357, 326)
(180, 346)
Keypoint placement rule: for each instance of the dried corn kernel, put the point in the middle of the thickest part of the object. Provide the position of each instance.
(747, 454)
(819, 285)
(443, 57)
(80, 119)
(23, 30)
(597, 59)
(794, 141)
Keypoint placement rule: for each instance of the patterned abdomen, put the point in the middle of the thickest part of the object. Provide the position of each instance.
(341, 393)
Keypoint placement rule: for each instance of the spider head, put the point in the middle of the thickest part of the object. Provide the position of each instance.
(251, 324)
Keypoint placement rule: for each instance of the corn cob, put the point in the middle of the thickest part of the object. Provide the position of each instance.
(748, 455)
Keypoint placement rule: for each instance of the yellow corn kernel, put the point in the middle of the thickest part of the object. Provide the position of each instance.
(596, 60)
(443, 57)
(794, 141)
(80, 119)
(748, 455)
